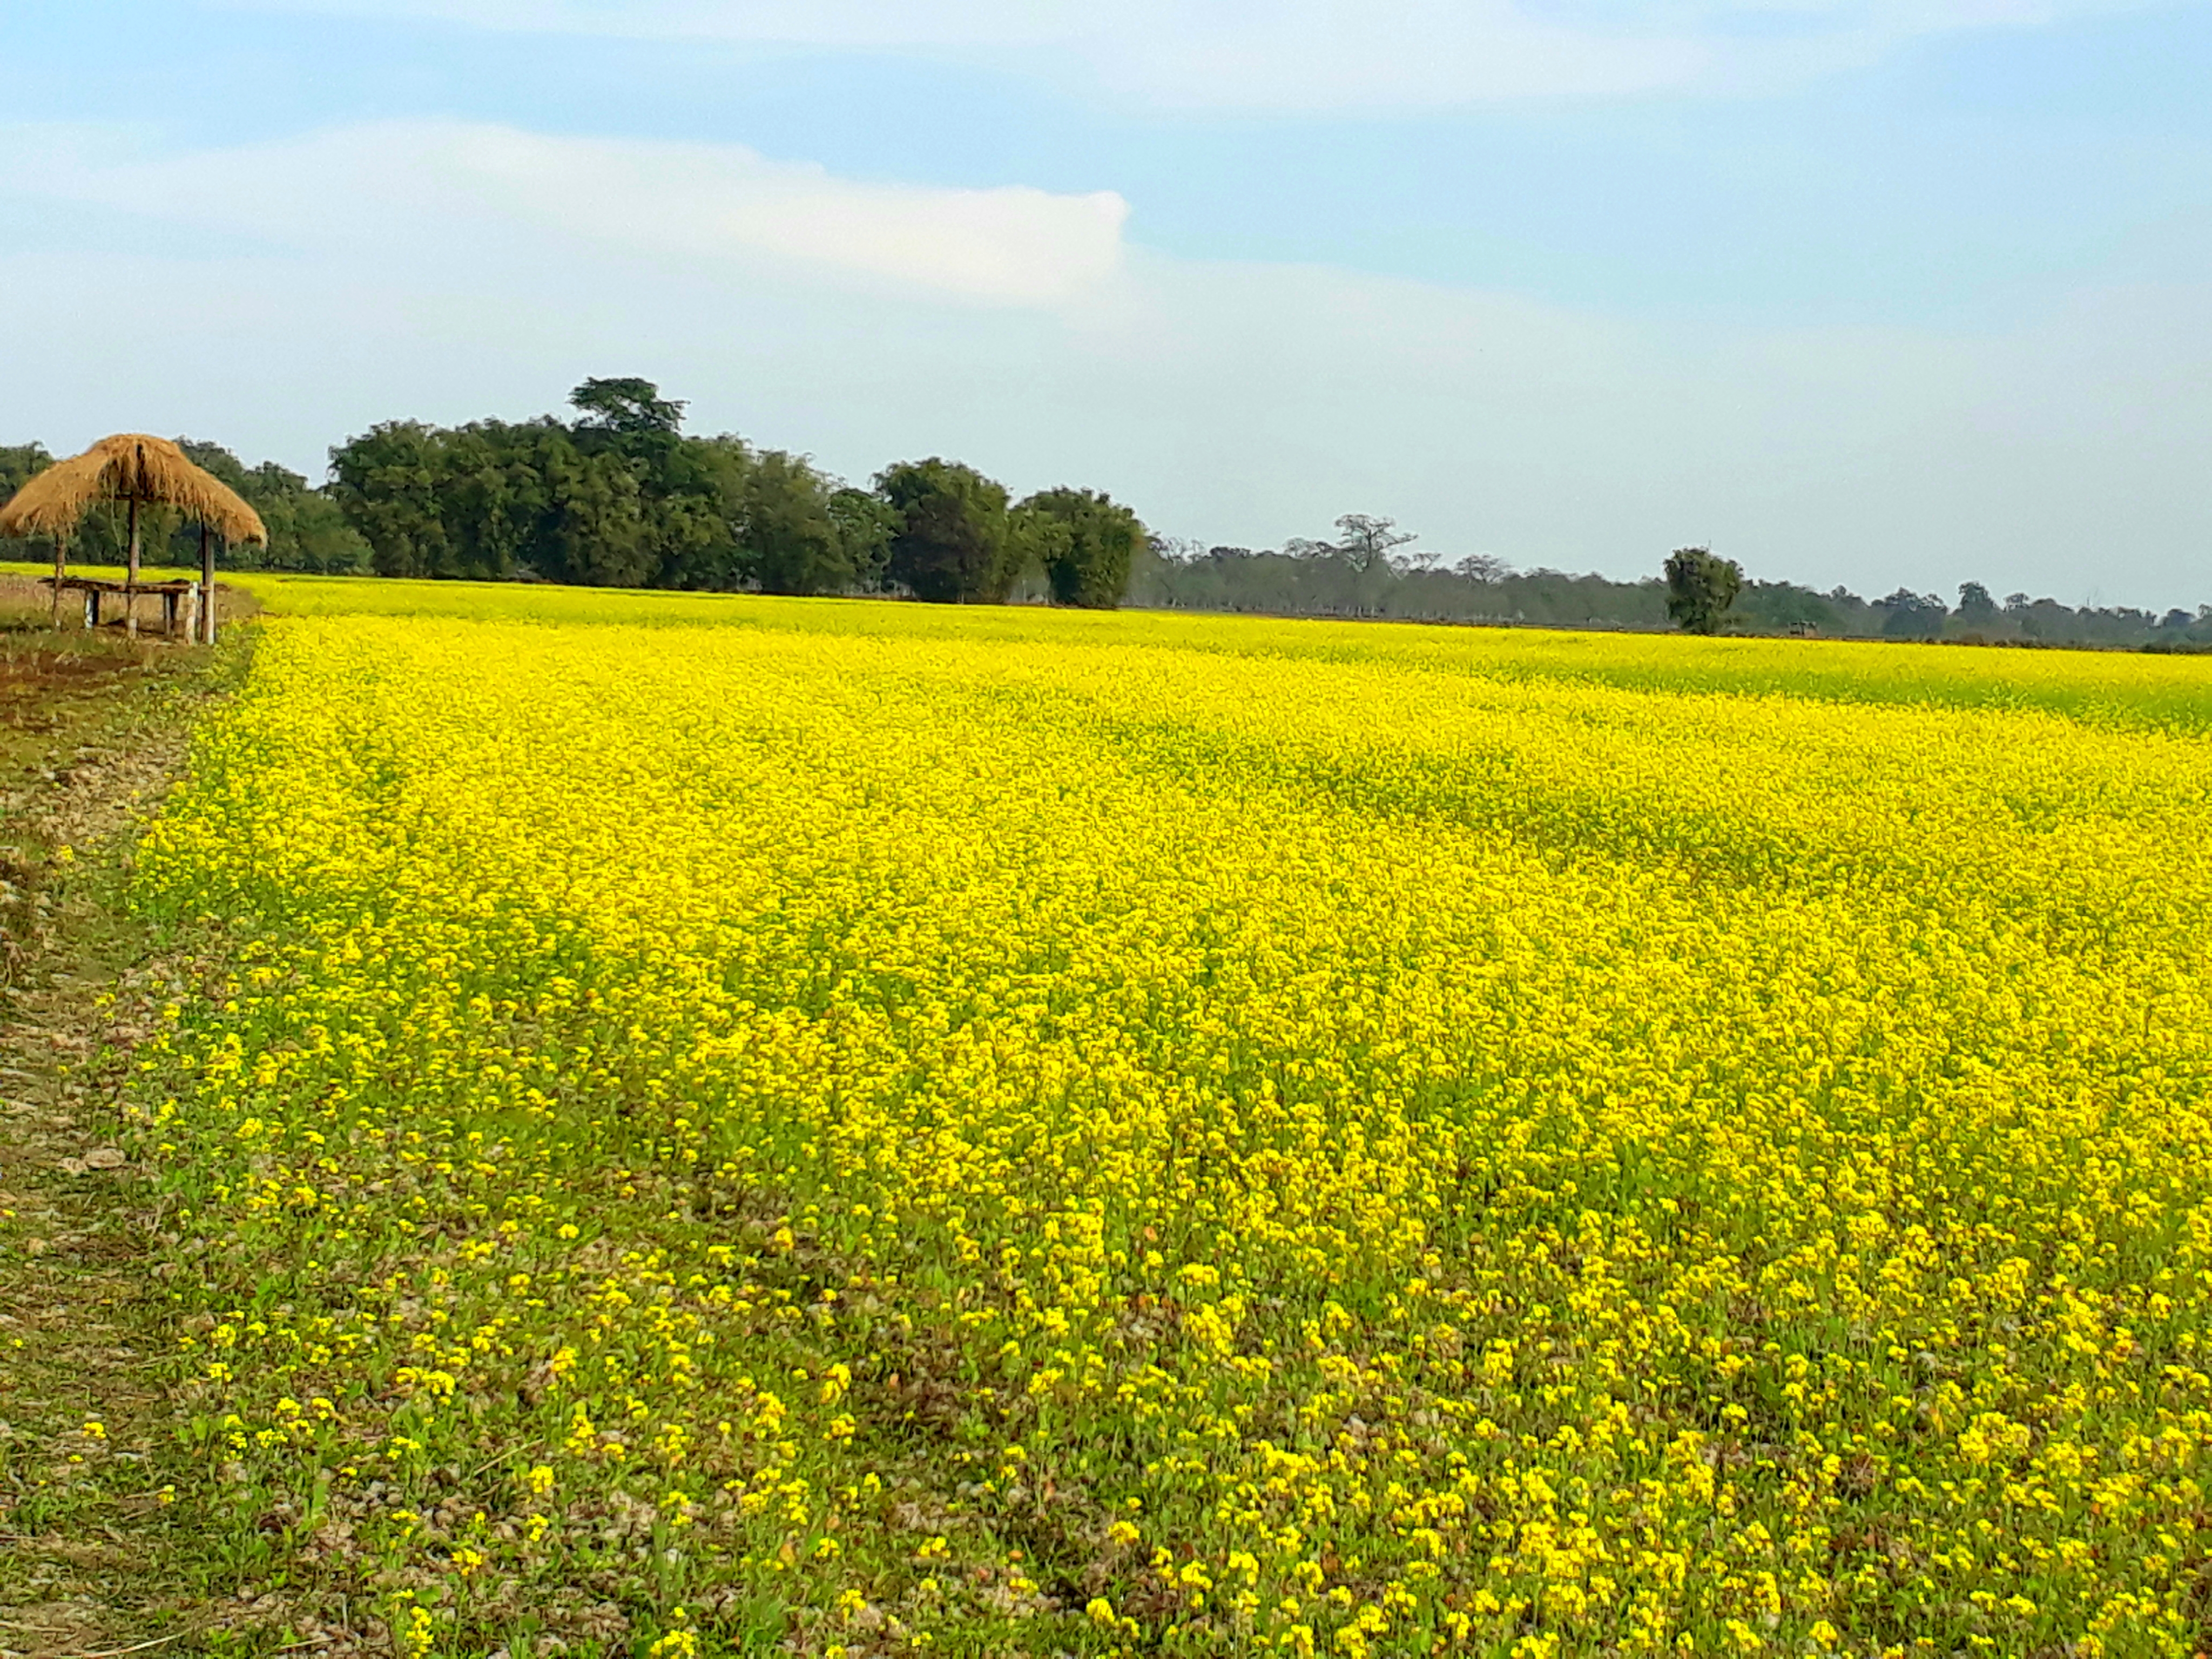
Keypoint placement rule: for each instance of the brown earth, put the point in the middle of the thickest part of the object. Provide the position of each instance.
(92, 1556)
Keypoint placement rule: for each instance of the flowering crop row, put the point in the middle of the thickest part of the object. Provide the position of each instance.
(881, 1133)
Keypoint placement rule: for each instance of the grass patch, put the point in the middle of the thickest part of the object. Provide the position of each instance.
(96, 1551)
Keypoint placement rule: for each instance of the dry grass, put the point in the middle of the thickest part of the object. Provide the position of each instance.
(129, 465)
(88, 1538)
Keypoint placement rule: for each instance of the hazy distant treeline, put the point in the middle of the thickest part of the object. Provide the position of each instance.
(620, 495)
(1320, 579)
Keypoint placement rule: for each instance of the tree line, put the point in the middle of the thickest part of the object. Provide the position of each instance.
(1370, 570)
(619, 494)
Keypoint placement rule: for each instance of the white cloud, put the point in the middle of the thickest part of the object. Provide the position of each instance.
(369, 274)
(1301, 55)
(719, 205)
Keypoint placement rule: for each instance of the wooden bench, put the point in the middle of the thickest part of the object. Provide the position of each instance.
(174, 596)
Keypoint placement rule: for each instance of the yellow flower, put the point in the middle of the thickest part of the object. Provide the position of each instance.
(1472, 1135)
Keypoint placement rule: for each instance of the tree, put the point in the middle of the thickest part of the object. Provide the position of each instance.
(1977, 608)
(19, 465)
(1367, 542)
(865, 524)
(495, 500)
(1701, 589)
(1913, 615)
(952, 542)
(598, 530)
(620, 496)
(386, 482)
(1086, 542)
(792, 542)
(307, 530)
(627, 408)
(1364, 546)
(696, 512)
(1780, 606)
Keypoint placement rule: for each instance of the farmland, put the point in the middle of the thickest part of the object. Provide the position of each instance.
(725, 1123)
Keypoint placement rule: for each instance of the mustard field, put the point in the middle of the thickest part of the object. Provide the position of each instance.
(727, 1126)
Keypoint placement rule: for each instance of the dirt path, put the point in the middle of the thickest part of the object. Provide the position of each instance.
(90, 1529)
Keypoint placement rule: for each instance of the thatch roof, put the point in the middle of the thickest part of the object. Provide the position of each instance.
(129, 465)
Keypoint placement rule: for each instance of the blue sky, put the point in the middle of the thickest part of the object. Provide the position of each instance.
(1891, 291)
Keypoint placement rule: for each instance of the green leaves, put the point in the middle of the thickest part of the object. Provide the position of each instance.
(953, 541)
(1701, 589)
(1085, 541)
(622, 498)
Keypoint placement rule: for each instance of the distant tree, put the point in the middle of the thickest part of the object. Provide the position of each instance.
(498, 500)
(307, 530)
(695, 506)
(1366, 542)
(1485, 567)
(627, 407)
(386, 482)
(19, 465)
(864, 526)
(1912, 616)
(1086, 542)
(1366, 546)
(597, 528)
(952, 542)
(793, 541)
(1782, 606)
(1976, 608)
(1042, 541)
(1701, 589)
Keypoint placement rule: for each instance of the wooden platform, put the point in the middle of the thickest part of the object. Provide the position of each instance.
(174, 592)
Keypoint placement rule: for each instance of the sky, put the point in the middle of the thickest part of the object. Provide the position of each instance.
(1879, 293)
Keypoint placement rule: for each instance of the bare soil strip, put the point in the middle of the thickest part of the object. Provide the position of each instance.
(93, 1558)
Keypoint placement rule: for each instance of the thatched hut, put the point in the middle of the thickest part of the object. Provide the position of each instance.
(133, 468)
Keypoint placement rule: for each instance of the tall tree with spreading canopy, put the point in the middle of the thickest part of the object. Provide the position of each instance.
(1701, 589)
(1977, 609)
(627, 408)
(1086, 542)
(953, 542)
(1366, 542)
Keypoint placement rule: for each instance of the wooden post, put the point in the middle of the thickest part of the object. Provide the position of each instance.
(131, 577)
(207, 587)
(61, 565)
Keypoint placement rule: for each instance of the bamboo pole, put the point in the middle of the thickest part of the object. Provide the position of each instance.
(131, 577)
(61, 569)
(206, 617)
